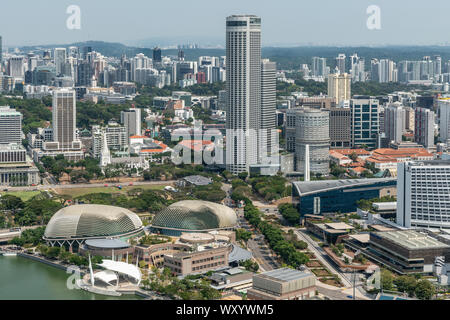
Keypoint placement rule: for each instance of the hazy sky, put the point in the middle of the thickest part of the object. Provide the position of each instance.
(284, 22)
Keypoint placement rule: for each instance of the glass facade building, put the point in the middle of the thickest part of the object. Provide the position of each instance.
(327, 196)
(365, 121)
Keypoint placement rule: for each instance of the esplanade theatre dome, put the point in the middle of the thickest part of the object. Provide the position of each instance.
(81, 222)
(193, 216)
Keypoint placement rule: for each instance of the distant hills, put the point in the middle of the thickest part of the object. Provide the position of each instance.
(286, 57)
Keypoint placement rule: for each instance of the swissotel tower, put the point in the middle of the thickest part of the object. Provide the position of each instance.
(243, 56)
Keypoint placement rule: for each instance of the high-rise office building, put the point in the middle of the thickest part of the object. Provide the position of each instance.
(10, 125)
(394, 122)
(60, 60)
(243, 56)
(423, 194)
(339, 87)
(1, 55)
(387, 71)
(340, 63)
(340, 127)
(375, 70)
(365, 121)
(16, 67)
(131, 119)
(312, 128)
(319, 67)
(268, 135)
(444, 120)
(357, 70)
(64, 112)
(424, 127)
(157, 54)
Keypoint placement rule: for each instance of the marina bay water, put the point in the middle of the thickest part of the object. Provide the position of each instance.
(25, 279)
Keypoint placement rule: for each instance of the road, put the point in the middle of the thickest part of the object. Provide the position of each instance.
(262, 254)
(326, 261)
(87, 185)
(259, 248)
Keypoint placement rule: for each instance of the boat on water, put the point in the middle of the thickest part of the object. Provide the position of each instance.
(8, 254)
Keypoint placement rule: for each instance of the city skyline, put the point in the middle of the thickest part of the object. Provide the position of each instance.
(327, 23)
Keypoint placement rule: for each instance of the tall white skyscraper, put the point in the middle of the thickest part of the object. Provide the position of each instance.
(243, 55)
(340, 62)
(1, 55)
(424, 127)
(339, 87)
(10, 125)
(394, 122)
(268, 138)
(423, 191)
(444, 120)
(16, 67)
(64, 117)
(131, 119)
(60, 60)
(319, 67)
(387, 71)
(357, 70)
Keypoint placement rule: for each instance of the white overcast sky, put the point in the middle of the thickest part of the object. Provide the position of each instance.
(285, 22)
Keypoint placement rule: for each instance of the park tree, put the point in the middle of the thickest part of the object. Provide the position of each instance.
(424, 290)
(406, 284)
(387, 279)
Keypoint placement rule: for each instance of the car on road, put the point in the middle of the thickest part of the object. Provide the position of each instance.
(131, 184)
(106, 185)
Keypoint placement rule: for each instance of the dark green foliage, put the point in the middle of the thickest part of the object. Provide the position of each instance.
(31, 236)
(290, 213)
(242, 234)
(271, 187)
(250, 265)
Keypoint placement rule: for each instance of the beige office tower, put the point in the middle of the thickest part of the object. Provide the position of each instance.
(268, 136)
(243, 56)
(339, 87)
(64, 119)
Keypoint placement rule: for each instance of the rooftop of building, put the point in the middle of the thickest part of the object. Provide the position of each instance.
(311, 187)
(338, 155)
(410, 239)
(381, 228)
(402, 152)
(347, 152)
(339, 226)
(198, 180)
(430, 163)
(362, 237)
(358, 169)
(381, 159)
(107, 243)
(196, 145)
(11, 147)
(284, 275)
(385, 205)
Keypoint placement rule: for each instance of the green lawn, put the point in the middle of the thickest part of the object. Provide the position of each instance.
(76, 192)
(24, 195)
